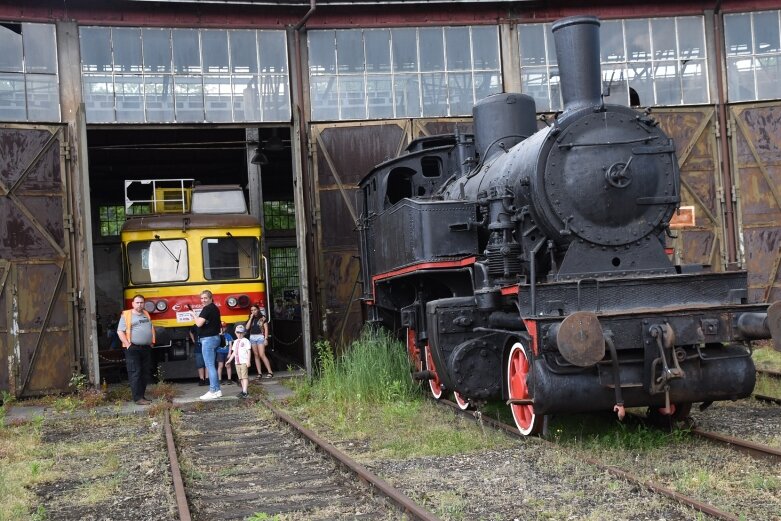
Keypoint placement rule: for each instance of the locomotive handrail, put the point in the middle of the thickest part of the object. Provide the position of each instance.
(607, 143)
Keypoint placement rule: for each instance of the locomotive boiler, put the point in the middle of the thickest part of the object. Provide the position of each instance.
(530, 264)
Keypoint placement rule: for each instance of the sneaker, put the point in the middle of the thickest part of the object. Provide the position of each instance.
(209, 396)
(218, 393)
(202, 383)
(143, 401)
(243, 395)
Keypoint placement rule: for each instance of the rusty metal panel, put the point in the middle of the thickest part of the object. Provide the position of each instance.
(757, 176)
(36, 326)
(338, 227)
(433, 127)
(343, 154)
(692, 129)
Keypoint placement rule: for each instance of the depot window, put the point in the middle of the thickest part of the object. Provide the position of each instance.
(645, 61)
(157, 261)
(228, 258)
(753, 49)
(153, 75)
(29, 82)
(402, 72)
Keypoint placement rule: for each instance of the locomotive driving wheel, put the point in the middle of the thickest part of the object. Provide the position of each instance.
(434, 383)
(518, 368)
(462, 402)
(413, 352)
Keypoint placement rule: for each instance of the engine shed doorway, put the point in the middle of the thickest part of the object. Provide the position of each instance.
(257, 159)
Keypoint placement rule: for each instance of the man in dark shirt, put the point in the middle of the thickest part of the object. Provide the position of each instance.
(208, 323)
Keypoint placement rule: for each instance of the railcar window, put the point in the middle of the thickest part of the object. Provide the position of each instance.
(430, 166)
(218, 201)
(226, 258)
(158, 261)
(661, 61)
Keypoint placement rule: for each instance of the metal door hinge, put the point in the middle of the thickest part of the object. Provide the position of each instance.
(73, 296)
(65, 151)
(67, 223)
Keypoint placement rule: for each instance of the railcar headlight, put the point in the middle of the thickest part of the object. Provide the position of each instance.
(149, 306)
(244, 301)
(232, 302)
(161, 305)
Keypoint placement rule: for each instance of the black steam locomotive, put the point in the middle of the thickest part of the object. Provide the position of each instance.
(530, 265)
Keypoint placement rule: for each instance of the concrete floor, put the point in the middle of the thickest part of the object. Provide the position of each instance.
(187, 392)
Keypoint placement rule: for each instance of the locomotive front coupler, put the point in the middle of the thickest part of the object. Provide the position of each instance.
(665, 340)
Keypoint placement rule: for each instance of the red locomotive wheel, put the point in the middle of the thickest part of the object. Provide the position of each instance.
(434, 383)
(462, 402)
(526, 420)
(413, 352)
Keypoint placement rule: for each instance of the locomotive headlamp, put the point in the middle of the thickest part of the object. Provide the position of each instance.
(149, 306)
(161, 305)
(232, 302)
(244, 301)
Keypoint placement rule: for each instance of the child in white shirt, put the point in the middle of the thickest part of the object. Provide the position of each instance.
(241, 352)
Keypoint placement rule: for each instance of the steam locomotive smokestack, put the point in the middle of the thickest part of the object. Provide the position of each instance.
(577, 50)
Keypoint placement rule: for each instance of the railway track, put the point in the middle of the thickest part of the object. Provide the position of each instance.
(238, 462)
(756, 450)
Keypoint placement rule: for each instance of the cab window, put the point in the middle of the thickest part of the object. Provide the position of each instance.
(157, 261)
(226, 258)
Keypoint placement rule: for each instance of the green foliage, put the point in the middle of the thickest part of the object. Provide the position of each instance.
(40, 514)
(262, 516)
(374, 369)
(78, 382)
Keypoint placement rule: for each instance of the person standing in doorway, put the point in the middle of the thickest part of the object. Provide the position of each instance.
(137, 335)
(208, 323)
(258, 337)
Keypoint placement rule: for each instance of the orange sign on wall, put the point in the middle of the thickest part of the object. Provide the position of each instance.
(683, 218)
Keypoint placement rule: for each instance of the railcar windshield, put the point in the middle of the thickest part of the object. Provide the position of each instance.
(226, 258)
(157, 261)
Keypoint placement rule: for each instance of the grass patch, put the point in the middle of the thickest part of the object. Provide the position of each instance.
(366, 397)
(20, 468)
(767, 358)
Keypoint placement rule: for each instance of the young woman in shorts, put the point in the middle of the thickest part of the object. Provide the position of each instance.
(258, 337)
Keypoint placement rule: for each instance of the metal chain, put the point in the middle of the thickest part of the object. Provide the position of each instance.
(289, 343)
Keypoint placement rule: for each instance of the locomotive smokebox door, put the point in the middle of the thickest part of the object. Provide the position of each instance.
(580, 339)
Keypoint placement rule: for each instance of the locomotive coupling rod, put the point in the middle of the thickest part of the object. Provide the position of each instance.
(520, 401)
(423, 375)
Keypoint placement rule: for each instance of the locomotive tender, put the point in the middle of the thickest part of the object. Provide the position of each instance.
(530, 265)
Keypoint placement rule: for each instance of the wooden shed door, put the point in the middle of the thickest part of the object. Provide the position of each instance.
(693, 129)
(343, 153)
(756, 156)
(36, 304)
